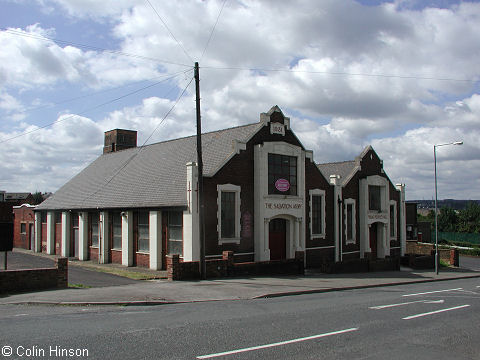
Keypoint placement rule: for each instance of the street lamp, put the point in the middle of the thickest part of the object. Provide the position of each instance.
(436, 211)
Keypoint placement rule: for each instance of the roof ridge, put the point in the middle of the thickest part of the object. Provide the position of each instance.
(336, 162)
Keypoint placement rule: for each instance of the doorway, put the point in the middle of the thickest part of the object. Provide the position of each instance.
(277, 239)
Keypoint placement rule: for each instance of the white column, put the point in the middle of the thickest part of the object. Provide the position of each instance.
(191, 240)
(83, 235)
(103, 250)
(363, 217)
(127, 238)
(155, 234)
(51, 233)
(38, 232)
(402, 226)
(66, 231)
(298, 241)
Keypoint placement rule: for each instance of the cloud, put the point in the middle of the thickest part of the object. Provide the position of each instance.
(399, 75)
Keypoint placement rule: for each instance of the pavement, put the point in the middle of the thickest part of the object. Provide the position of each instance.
(161, 291)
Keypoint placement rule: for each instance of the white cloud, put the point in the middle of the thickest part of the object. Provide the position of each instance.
(362, 74)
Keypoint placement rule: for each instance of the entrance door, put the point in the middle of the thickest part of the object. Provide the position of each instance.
(74, 236)
(32, 236)
(373, 240)
(278, 239)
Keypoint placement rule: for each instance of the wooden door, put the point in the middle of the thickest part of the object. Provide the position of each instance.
(278, 239)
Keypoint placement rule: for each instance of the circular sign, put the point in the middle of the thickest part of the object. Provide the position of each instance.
(282, 185)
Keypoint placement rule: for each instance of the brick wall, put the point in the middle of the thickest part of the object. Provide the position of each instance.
(450, 256)
(23, 215)
(35, 279)
(226, 267)
(142, 260)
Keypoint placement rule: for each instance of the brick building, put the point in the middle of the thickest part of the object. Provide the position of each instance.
(24, 227)
(265, 199)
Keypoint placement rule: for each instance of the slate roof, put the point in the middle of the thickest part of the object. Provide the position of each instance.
(152, 176)
(344, 169)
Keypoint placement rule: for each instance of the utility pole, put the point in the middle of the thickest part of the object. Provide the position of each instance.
(201, 231)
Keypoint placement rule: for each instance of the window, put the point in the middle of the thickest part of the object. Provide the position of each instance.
(374, 198)
(282, 174)
(23, 228)
(393, 219)
(317, 213)
(175, 233)
(143, 240)
(228, 215)
(44, 217)
(94, 229)
(350, 221)
(117, 231)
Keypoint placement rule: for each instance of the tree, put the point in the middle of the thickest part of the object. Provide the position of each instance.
(37, 197)
(469, 219)
(447, 220)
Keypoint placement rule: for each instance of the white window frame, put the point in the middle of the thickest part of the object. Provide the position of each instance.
(321, 193)
(353, 240)
(394, 203)
(237, 190)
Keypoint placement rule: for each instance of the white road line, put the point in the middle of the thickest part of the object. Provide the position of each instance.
(276, 344)
(379, 307)
(432, 292)
(435, 312)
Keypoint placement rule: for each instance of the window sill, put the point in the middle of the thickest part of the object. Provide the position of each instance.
(93, 246)
(143, 252)
(229, 241)
(349, 242)
(318, 236)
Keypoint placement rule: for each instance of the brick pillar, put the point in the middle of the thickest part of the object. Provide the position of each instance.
(62, 272)
(174, 267)
(454, 259)
(227, 257)
(300, 258)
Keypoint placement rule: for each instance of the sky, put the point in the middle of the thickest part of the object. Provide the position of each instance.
(399, 75)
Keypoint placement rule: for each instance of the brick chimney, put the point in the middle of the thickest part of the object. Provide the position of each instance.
(119, 139)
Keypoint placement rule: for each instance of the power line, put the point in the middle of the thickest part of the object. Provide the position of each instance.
(124, 165)
(412, 77)
(213, 29)
(98, 92)
(85, 111)
(170, 32)
(96, 48)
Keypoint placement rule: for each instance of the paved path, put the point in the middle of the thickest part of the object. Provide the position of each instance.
(76, 274)
(470, 262)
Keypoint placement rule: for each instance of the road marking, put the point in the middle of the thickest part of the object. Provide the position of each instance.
(435, 312)
(276, 344)
(432, 292)
(406, 303)
(20, 315)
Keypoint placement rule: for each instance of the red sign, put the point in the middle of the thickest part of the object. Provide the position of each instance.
(282, 185)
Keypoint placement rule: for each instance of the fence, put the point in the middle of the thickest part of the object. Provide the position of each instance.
(456, 237)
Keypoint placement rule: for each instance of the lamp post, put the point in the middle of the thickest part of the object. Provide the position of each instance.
(436, 210)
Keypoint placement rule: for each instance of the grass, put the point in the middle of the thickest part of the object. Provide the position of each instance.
(134, 275)
(79, 286)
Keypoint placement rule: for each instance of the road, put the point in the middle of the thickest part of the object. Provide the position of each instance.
(421, 321)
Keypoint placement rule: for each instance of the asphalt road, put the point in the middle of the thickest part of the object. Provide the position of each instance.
(422, 321)
(76, 274)
(470, 262)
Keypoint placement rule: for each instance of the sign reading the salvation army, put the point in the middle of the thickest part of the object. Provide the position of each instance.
(282, 185)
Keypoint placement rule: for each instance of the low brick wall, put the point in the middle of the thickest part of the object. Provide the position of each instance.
(226, 267)
(450, 256)
(35, 279)
(361, 265)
